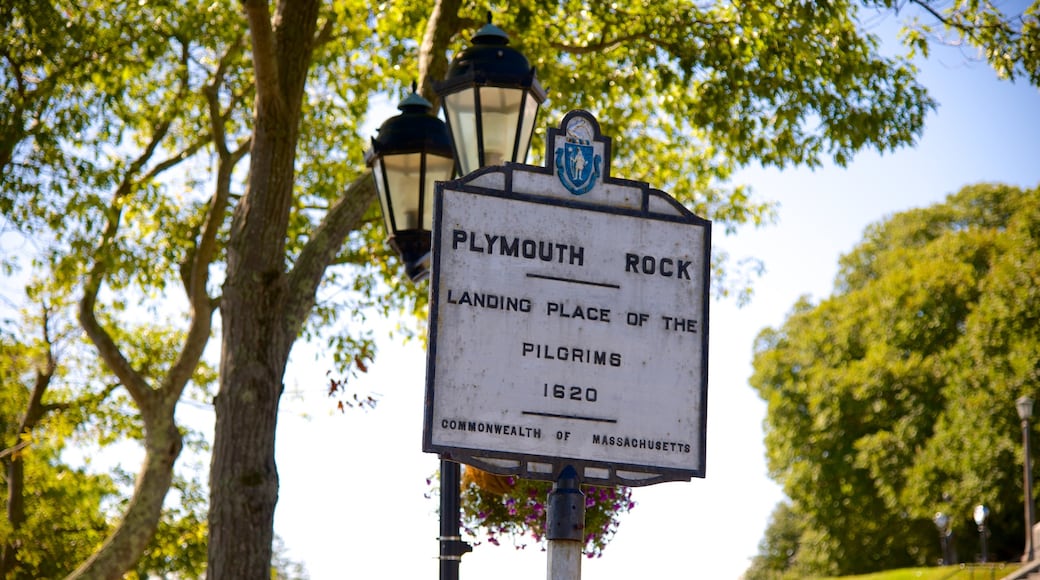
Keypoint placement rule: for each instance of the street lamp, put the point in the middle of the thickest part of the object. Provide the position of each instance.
(942, 523)
(1025, 411)
(490, 99)
(411, 152)
(980, 514)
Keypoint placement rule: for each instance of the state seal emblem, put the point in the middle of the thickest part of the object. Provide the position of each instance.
(577, 165)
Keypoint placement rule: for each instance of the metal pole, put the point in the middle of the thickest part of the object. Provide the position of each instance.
(452, 546)
(982, 540)
(1027, 467)
(565, 526)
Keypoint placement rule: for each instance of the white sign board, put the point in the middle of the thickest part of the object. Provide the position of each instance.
(568, 328)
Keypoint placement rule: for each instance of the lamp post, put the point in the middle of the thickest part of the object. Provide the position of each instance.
(490, 99)
(1024, 405)
(980, 514)
(411, 152)
(942, 523)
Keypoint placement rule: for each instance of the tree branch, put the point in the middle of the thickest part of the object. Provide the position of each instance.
(605, 45)
(325, 33)
(296, 22)
(197, 278)
(347, 214)
(82, 401)
(322, 248)
(14, 449)
(442, 26)
(958, 24)
(211, 91)
(264, 63)
(107, 348)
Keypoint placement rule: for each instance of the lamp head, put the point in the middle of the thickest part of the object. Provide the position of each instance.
(1024, 405)
(490, 99)
(411, 152)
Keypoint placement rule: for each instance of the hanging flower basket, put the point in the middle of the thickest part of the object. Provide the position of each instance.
(487, 481)
(494, 506)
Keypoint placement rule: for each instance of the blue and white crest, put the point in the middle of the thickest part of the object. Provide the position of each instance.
(577, 164)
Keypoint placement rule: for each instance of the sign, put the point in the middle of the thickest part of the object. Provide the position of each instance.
(569, 321)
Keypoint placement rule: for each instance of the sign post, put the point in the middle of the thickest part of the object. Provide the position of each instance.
(568, 321)
(565, 526)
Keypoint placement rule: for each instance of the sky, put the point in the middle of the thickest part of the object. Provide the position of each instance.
(352, 501)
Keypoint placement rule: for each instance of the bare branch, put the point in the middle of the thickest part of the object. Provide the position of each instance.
(957, 23)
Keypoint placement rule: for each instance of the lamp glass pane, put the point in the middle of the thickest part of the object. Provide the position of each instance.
(500, 115)
(461, 111)
(527, 126)
(437, 169)
(403, 178)
(377, 171)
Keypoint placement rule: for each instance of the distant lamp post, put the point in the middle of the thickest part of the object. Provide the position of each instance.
(411, 152)
(490, 100)
(980, 514)
(1025, 411)
(942, 523)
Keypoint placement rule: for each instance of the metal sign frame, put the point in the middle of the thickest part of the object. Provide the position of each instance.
(578, 191)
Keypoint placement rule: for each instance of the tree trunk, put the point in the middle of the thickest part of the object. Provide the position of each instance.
(15, 465)
(243, 476)
(15, 513)
(123, 547)
(256, 335)
(263, 306)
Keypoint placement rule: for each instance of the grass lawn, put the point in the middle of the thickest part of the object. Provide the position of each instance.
(972, 572)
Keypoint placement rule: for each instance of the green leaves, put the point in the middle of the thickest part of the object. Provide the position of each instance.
(52, 398)
(689, 92)
(123, 128)
(1005, 36)
(897, 391)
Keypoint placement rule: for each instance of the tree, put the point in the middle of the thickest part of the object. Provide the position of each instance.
(83, 142)
(777, 550)
(60, 520)
(893, 398)
(128, 169)
(39, 414)
(56, 514)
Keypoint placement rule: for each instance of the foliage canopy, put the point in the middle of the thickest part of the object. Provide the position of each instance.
(174, 160)
(893, 398)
